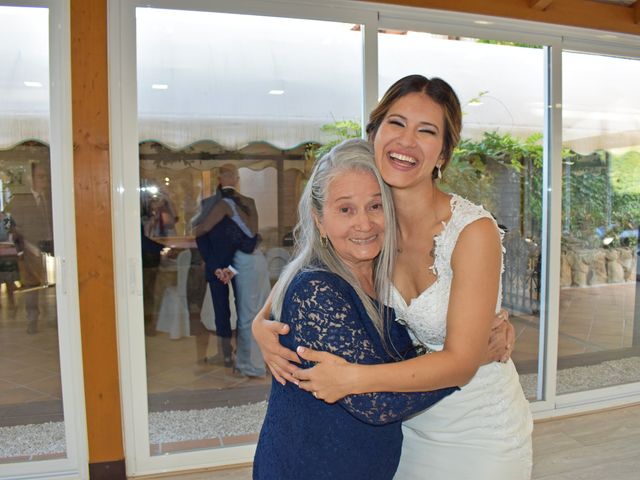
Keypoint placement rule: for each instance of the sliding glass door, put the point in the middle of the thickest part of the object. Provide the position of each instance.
(42, 427)
(260, 89)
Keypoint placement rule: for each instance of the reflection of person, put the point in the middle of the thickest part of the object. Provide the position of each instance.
(34, 237)
(9, 272)
(151, 256)
(251, 288)
(229, 225)
(164, 217)
(329, 295)
(446, 282)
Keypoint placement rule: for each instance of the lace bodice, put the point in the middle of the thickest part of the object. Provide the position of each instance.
(326, 314)
(426, 315)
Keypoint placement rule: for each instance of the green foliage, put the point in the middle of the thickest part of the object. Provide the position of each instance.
(584, 199)
(625, 173)
(510, 44)
(505, 149)
(469, 173)
(342, 130)
(588, 193)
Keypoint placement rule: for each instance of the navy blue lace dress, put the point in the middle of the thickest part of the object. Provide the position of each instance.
(359, 437)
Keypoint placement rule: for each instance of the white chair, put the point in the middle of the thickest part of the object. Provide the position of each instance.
(277, 259)
(208, 316)
(173, 317)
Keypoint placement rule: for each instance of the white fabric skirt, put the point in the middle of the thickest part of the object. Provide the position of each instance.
(481, 432)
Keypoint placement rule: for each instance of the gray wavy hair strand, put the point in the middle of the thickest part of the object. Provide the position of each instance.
(309, 254)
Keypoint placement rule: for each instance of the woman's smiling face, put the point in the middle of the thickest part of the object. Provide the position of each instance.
(409, 141)
(353, 218)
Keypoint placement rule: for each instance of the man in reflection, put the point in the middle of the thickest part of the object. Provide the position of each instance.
(226, 223)
(31, 212)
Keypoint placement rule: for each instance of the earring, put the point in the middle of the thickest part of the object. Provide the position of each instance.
(324, 242)
(439, 172)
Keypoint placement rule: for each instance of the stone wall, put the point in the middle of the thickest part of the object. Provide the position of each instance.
(596, 266)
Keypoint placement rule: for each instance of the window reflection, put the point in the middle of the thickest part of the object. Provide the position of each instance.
(235, 131)
(30, 394)
(31, 415)
(599, 312)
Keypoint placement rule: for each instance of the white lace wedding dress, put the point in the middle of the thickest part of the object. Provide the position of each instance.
(483, 431)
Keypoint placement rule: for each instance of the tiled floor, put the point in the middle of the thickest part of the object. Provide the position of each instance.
(593, 319)
(596, 446)
(29, 364)
(172, 367)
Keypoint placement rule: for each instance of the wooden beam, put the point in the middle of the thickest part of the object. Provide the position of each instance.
(576, 13)
(540, 4)
(90, 111)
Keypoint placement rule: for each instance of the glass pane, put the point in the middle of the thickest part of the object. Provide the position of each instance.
(219, 94)
(31, 416)
(599, 342)
(499, 161)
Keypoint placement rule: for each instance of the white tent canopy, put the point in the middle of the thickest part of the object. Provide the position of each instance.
(208, 76)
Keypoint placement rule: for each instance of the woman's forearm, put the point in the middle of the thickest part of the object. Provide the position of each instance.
(428, 372)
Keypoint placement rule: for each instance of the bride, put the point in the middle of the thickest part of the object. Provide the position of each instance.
(447, 290)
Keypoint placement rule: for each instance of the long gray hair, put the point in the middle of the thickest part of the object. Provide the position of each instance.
(309, 254)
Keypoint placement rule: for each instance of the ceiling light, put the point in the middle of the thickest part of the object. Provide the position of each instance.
(276, 92)
(159, 86)
(33, 84)
(482, 22)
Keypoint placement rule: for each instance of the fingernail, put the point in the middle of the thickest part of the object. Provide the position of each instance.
(300, 349)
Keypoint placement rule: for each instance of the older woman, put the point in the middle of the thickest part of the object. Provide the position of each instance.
(332, 296)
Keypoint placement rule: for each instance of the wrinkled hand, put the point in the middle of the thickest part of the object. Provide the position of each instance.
(224, 275)
(331, 378)
(278, 358)
(169, 252)
(502, 339)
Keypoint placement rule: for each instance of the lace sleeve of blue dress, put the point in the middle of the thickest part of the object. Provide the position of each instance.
(325, 314)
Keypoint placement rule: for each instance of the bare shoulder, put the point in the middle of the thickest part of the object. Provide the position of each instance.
(481, 238)
(483, 227)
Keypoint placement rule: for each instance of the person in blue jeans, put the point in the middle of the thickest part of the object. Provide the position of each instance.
(227, 223)
(332, 296)
(227, 235)
(251, 287)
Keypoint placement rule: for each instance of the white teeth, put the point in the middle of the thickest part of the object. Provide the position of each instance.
(403, 158)
(363, 240)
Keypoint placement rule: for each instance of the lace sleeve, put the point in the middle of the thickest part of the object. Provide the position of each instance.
(326, 317)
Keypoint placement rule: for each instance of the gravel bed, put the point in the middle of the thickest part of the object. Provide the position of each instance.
(579, 379)
(28, 440)
(171, 426)
(181, 425)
